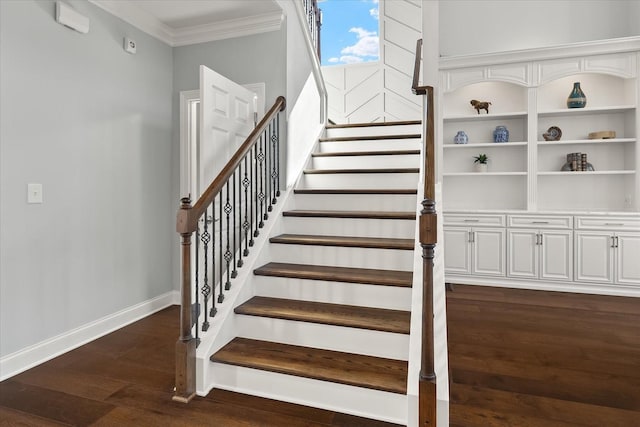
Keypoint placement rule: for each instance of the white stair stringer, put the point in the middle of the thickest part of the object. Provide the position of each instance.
(363, 402)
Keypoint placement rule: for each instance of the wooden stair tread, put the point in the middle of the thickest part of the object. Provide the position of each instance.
(326, 365)
(374, 124)
(366, 153)
(345, 241)
(337, 274)
(350, 214)
(370, 137)
(376, 319)
(381, 170)
(355, 191)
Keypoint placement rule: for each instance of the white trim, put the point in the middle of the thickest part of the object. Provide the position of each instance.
(624, 44)
(187, 97)
(41, 352)
(132, 14)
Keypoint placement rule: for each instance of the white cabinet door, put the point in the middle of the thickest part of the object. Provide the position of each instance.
(594, 257)
(457, 250)
(523, 254)
(488, 251)
(556, 255)
(628, 258)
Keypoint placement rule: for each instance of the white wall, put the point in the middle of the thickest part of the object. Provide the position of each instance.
(469, 27)
(93, 125)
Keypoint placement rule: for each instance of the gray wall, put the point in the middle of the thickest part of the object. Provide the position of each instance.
(93, 125)
(474, 27)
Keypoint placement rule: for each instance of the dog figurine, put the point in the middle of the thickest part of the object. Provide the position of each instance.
(480, 105)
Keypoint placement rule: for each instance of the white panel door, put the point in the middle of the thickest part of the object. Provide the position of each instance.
(457, 250)
(226, 119)
(523, 254)
(628, 259)
(488, 251)
(556, 255)
(594, 257)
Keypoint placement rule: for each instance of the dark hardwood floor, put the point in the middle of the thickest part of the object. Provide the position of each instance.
(126, 379)
(522, 358)
(517, 358)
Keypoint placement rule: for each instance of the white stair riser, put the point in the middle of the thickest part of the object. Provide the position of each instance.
(392, 259)
(370, 145)
(390, 407)
(357, 202)
(374, 130)
(358, 162)
(336, 338)
(359, 294)
(360, 180)
(354, 227)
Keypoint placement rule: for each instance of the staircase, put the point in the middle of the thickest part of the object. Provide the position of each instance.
(328, 324)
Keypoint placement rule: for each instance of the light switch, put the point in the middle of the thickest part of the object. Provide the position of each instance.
(34, 193)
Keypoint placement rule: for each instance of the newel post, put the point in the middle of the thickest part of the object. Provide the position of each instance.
(186, 344)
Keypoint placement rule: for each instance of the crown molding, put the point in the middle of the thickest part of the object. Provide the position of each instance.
(140, 19)
(228, 29)
(598, 47)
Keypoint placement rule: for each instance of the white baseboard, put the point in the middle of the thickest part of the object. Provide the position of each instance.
(41, 352)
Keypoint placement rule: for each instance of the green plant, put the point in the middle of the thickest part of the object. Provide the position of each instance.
(481, 158)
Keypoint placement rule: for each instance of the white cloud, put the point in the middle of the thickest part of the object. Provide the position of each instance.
(334, 60)
(366, 46)
(350, 59)
(375, 13)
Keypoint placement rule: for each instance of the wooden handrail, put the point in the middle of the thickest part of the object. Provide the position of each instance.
(187, 221)
(428, 238)
(186, 224)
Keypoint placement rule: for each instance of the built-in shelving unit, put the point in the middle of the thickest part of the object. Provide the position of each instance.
(517, 218)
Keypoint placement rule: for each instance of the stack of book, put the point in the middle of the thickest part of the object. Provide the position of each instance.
(578, 161)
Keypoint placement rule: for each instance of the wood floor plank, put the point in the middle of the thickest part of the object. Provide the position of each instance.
(13, 418)
(344, 241)
(337, 274)
(350, 214)
(378, 319)
(50, 404)
(345, 368)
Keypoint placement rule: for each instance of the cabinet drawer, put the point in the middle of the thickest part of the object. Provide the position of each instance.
(471, 220)
(540, 221)
(607, 223)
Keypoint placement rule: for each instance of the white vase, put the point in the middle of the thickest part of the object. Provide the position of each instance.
(480, 167)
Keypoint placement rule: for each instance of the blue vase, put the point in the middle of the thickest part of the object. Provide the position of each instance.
(501, 134)
(577, 98)
(461, 138)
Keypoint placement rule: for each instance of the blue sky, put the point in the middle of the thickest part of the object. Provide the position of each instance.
(349, 31)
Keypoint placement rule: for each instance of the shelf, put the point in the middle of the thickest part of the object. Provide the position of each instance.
(586, 141)
(484, 174)
(486, 145)
(483, 117)
(585, 173)
(586, 110)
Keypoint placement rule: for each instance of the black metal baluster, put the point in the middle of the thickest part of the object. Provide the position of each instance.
(278, 153)
(212, 219)
(234, 273)
(239, 217)
(256, 231)
(267, 166)
(274, 156)
(227, 254)
(196, 299)
(246, 225)
(206, 289)
(220, 255)
(261, 193)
